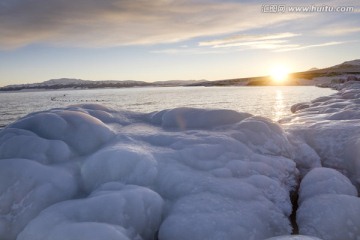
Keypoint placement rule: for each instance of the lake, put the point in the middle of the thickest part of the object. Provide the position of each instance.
(273, 102)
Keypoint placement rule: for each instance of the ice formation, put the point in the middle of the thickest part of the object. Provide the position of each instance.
(329, 206)
(89, 172)
(327, 133)
(184, 173)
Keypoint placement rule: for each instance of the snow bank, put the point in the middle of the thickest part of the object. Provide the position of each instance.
(328, 206)
(327, 133)
(114, 211)
(176, 174)
(27, 188)
(325, 136)
(325, 181)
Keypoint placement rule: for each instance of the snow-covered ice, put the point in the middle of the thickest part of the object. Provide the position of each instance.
(330, 129)
(176, 174)
(89, 172)
(327, 133)
(328, 206)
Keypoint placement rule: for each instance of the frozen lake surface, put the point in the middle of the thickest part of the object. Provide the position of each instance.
(272, 102)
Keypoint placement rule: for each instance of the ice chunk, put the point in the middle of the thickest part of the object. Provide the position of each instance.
(331, 127)
(325, 181)
(125, 163)
(330, 217)
(114, 211)
(263, 136)
(190, 118)
(328, 206)
(32, 147)
(306, 157)
(299, 106)
(81, 131)
(213, 216)
(26, 188)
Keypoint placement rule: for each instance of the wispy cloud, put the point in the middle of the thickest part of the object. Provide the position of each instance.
(276, 42)
(286, 49)
(338, 30)
(271, 45)
(106, 23)
(188, 51)
(260, 41)
(243, 39)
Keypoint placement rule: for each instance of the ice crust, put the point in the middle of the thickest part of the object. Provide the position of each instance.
(328, 206)
(89, 172)
(176, 174)
(327, 133)
(330, 131)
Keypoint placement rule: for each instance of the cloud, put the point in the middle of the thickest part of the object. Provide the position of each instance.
(187, 51)
(243, 39)
(260, 41)
(308, 46)
(107, 23)
(272, 45)
(339, 31)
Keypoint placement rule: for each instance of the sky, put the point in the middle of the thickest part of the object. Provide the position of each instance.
(156, 40)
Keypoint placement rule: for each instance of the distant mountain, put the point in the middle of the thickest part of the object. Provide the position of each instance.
(313, 69)
(348, 66)
(63, 83)
(76, 84)
(179, 82)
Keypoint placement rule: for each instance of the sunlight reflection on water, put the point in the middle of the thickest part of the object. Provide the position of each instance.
(279, 108)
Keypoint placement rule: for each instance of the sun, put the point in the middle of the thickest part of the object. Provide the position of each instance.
(279, 74)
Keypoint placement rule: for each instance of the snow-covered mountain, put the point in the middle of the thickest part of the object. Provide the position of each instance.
(178, 82)
(75, 83)
(64, 81)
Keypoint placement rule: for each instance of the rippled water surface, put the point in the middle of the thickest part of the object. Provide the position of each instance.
(272, 102)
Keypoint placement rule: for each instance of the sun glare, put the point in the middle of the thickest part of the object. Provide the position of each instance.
(279, 74)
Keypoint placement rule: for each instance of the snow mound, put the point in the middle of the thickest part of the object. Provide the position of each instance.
(328, 132)
(325, 181)
(114, 211)
(192, 118)
(325, 137)
(176, 174)
(26, 188)
(80, 131)
(328, 206)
